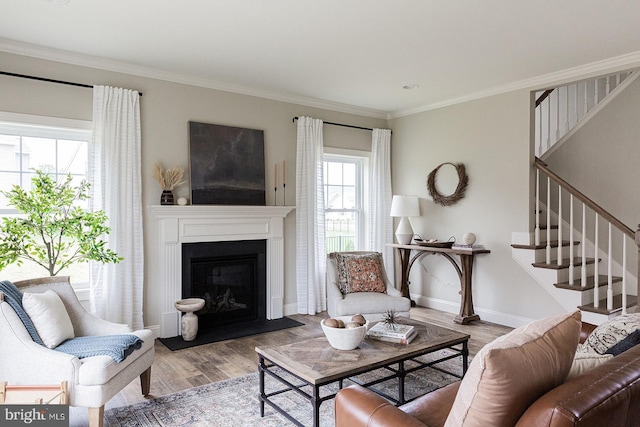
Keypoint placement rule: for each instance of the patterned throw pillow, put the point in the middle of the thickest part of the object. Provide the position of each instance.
(360, 273)
(610, 333)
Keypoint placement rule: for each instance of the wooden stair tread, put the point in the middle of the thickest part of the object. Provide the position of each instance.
(554, 244)
(617, 305)
(577, 261)
(603, 280)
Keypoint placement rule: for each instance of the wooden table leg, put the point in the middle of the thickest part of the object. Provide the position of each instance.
(466, 306)
(405, 254)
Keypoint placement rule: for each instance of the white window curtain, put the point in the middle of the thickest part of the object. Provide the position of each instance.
(380, 224)
(310, 251)
(114, 174)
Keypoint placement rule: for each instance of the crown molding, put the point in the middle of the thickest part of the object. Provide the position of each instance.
(50, 54)
(594, 69)
(610, 65)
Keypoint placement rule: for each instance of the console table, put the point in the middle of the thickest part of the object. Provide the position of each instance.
(464, 270)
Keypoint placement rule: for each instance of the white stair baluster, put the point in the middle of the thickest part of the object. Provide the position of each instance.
(624, 274)
(571, 264)
(596, 269)
(539, 142)
(596, 92)
(576, 104)
(559, 252)
(557, 92)
(537, 230)
(548, 102)
(548, 248)
(586, 99)
(583, 268)
(566, 122)
(609, 275)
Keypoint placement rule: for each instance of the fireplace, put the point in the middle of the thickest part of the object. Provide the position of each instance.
(230, 276)
(174, 226)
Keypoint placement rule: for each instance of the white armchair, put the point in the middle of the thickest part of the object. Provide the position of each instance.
(93, 380)
(372, 305)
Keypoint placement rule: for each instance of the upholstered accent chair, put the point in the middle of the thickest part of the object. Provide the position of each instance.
(92, 381)
(371, 303)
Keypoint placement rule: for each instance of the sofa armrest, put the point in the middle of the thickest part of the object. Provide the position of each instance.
(605, 395)
(585, 331)
(356, 406)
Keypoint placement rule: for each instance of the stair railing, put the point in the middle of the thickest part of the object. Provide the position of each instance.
(545, 192)
(559, 110)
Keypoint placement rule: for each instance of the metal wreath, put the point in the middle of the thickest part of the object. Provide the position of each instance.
(463, 183)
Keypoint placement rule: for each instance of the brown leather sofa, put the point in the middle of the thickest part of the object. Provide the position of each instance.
(608, 395)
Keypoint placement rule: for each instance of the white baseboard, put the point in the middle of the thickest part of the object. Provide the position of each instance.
(487, 315)
(290, 309)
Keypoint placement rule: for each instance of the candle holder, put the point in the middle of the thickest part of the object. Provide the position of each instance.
(275, 196)
(284, 194)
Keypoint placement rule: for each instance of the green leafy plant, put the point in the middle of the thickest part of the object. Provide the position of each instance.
(54, 231)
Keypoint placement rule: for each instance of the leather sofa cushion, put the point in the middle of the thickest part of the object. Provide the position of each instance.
(433, 408)
(510, 373)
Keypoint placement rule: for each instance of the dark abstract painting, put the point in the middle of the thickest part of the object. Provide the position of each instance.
(226, 164)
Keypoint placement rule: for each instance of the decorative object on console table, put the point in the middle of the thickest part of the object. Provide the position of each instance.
(404, 207)
(168, 180)
(227, 165)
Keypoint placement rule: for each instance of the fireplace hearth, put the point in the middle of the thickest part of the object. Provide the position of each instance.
(230, 276)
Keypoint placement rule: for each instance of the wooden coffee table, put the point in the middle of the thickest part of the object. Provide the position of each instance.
(314, 363)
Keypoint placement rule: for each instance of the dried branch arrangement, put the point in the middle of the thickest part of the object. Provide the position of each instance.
(170, 178)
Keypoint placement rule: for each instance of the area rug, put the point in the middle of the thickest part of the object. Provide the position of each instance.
(222, 333)
(234, 402)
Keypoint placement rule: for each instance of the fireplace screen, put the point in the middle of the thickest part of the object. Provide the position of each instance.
(229, 276)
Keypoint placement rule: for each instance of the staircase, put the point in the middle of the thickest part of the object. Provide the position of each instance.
(577, 251)
(562, 111)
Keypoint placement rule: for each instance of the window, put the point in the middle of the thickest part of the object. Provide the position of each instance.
(344, 192)
(56, 145)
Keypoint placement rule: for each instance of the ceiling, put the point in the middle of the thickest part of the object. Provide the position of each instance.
(347, 55)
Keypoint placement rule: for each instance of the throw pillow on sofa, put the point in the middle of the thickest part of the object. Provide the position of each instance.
(610, 333)
(49, 316)
(510, 373)
(583, 362)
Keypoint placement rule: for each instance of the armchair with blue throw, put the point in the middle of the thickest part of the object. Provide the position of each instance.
(98, 360)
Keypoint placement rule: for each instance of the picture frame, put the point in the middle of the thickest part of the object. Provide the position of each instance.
(226, 165)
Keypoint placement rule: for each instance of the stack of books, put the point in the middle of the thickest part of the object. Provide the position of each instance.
(468, 247)
(402, 334)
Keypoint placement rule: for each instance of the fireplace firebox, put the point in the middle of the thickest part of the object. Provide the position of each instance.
(230, 276)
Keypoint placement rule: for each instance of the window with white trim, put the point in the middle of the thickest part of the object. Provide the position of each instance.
(59, 146)
(345, 199)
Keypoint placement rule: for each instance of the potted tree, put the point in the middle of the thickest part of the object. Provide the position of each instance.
(54, 231)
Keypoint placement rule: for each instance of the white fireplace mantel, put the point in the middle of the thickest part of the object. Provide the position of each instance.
(174, 225)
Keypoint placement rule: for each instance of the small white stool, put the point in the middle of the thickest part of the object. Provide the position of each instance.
(189, 320)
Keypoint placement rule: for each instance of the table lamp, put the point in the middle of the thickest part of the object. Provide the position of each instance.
(404, 207)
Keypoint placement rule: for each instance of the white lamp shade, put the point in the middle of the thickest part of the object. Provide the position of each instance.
(404, 206)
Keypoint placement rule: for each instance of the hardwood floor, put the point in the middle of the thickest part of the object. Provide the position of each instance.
(173, 371)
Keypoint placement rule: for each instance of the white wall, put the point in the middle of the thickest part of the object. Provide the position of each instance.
(166, 109)
(490, 137)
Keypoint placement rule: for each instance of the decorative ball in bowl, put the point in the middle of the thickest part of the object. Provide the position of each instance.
(345, 332)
